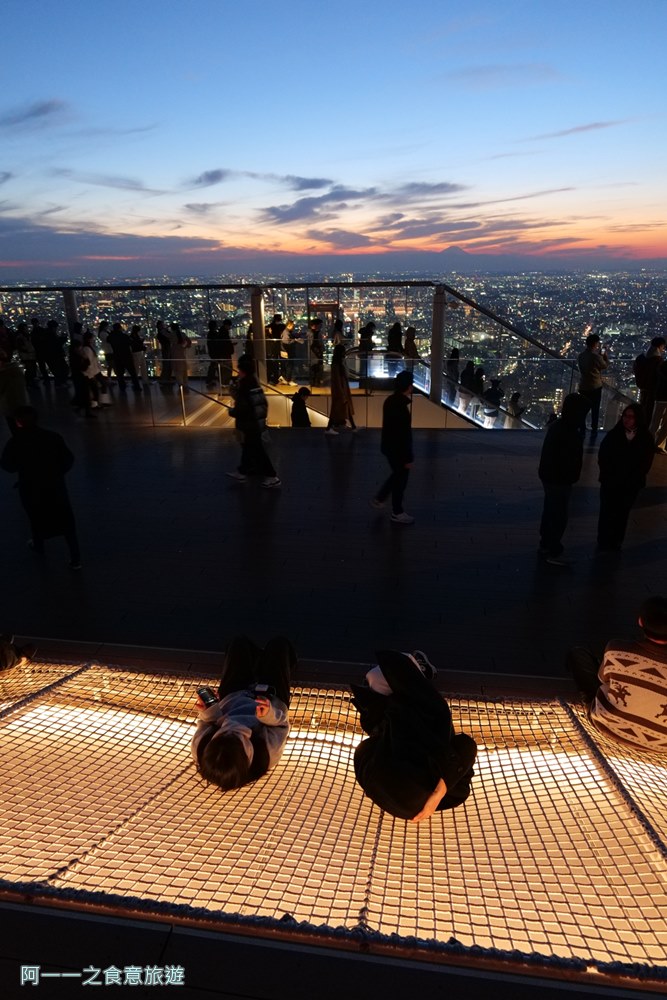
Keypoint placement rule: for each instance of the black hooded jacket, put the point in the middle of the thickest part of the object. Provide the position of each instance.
(563, 448)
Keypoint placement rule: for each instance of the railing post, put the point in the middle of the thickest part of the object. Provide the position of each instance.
(71, 309)
(258, 336)
(438, 344)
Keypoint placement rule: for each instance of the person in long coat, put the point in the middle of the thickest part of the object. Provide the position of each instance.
(625, 457)
(41, 458)
(342, 407)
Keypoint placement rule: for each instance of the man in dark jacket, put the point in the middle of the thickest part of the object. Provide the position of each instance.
(41, 458)
(396, 446)
(250, 411)
(412, 763)
(560, 468)
(122, 357)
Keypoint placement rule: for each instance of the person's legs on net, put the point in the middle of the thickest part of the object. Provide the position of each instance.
(239, 669)
(276, 662)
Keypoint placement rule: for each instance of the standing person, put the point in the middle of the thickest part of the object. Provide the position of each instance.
(453, 364)
(366, 338)
(180, 343)
(55, 346)
(121, 345)
(13, 392)
(274, 332)
(645, 370)
(79, 363)
(241, 734)
(659, 419)
(560, 467)
(287, 348)
(213, 348)
(396, 446)
(38, 337)
(103, 332)
(164, 341)
(395, 338)
(625, 457)
(316, 353)
(592, 362)
(226, 347)
(342, 407)
(26, 353)
(514, 407)
(250, 410)
(410, 347)
(412, 764)
(138, 345)
(394, 346)
(96, 382)
(41, 458)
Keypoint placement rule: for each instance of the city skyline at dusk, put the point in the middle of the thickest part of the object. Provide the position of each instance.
(191, 138)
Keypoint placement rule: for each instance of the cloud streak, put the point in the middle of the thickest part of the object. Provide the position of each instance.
(577, 130)
(492, 77)
(38, 114)
(106, 180)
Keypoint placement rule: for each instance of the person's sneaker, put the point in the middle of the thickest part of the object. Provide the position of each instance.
(238, 476)
(270, 482)
(377, 504)
(75, 566)
(424, 664)
(402, 518)
(94, 404)
(557, 561)
(331, 430)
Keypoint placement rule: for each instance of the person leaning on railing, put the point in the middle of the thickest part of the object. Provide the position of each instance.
(592, 362)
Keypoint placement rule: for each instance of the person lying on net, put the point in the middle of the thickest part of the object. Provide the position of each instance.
(412, 763)
(242, 728)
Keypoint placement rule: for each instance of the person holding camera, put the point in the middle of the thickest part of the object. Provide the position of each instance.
(242, 728)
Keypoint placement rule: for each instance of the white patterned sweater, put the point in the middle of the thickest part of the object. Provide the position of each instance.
(631, 703)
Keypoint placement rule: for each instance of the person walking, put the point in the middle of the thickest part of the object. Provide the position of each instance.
(560, 467)
(342, 408)
(41, 458)
(250, 411)
(396, 446)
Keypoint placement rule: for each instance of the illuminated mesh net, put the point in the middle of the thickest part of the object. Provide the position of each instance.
(560, 851)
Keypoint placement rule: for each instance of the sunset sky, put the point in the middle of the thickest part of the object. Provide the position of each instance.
(176, 136)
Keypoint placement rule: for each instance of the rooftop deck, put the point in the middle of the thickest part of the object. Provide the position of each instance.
(178, 556)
